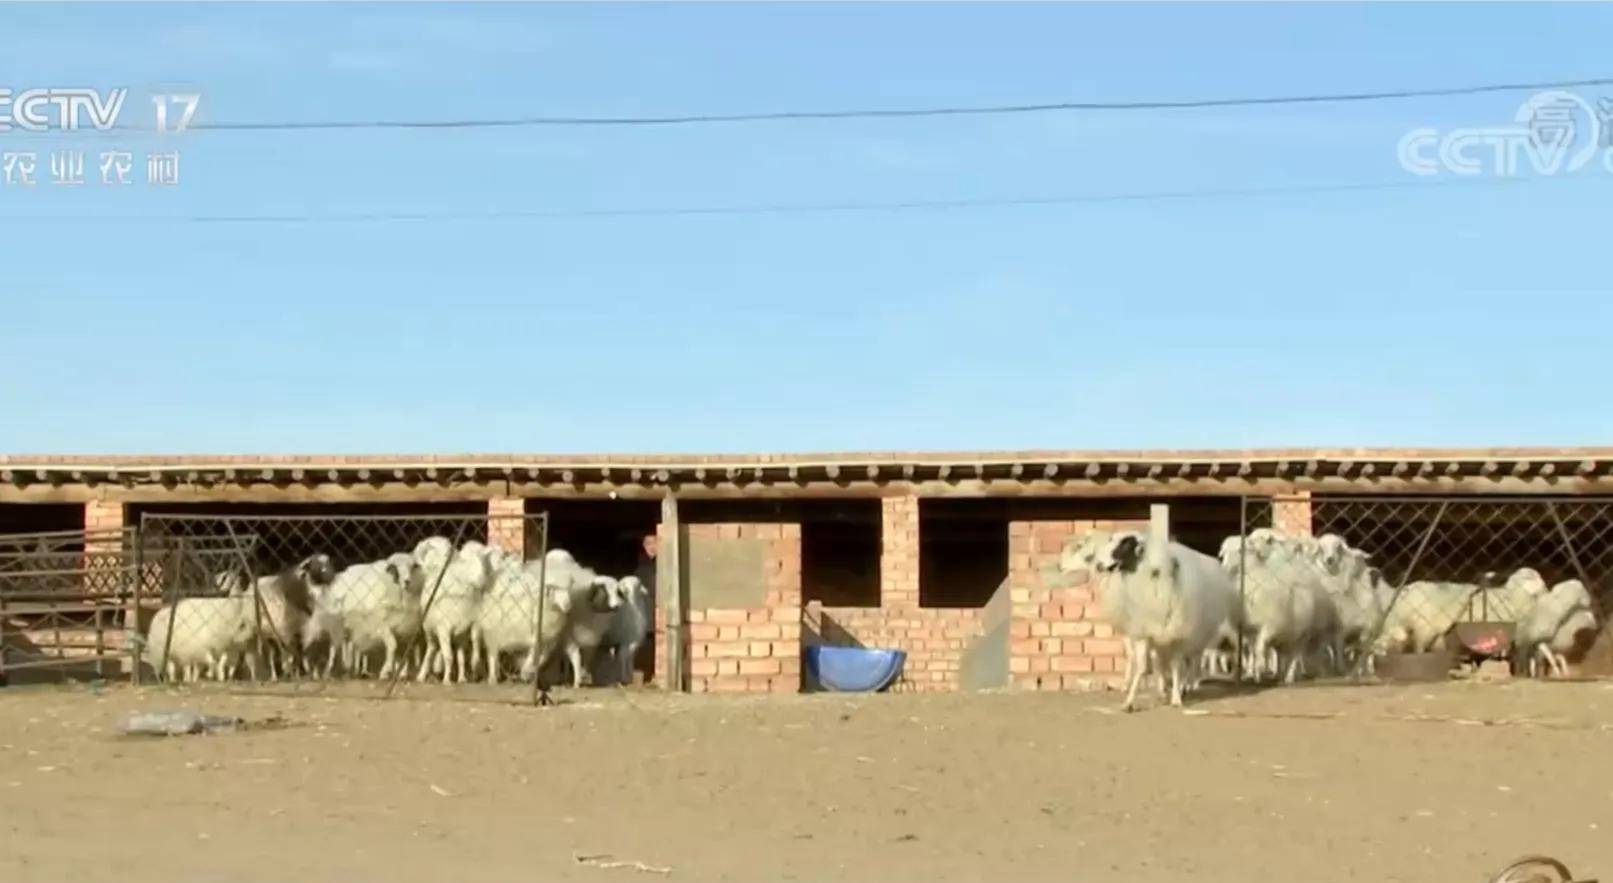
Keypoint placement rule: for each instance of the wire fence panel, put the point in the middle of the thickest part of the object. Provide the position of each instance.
(269, 598)
(1521, 579)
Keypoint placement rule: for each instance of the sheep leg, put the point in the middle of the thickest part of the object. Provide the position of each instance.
(390, 642)
(624, 663)
(1559, 662)
(445, 652)
(460, 660)
(1295, 657)
(1178, 666)
(1261, 649)
(1138, 668)
(574, 656)
(429, 639)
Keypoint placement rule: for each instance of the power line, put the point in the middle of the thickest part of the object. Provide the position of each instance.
(771, 209)
(890, 113)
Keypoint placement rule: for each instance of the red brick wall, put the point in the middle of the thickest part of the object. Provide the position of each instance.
(1058, 638)
(506, 527)
(753, 650)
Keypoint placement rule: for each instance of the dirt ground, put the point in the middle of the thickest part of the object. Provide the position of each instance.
(1418, 783)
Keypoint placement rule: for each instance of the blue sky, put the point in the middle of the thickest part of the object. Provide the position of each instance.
(1453, 315)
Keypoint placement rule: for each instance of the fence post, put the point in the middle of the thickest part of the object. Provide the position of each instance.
(1159, 535)
(669, 585)
(1243, 570)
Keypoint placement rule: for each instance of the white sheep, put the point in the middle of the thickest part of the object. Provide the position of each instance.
(379, 603)
(1553, 626)
(1083, 555)
(1510, 601)
(454, 586)
(633, 622)
(287, 600)
(1421, 614)
(1280, 589)
(1350, 583)
(508, 618)
(594, 602)
(325, 629)
(196, 632)
(1175, 601)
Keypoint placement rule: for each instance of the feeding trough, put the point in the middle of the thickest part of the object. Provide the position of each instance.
(854, 669)
(1432, 666)
(1479, 641)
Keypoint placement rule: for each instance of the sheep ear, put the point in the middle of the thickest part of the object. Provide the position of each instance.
(392, 568)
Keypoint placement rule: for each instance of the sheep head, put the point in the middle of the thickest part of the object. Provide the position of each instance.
(231, 582)
(1122, 552)
(1083, 554)
(605, 594)
(1262, 542)
(1331, 551)
(407, 572)
(633, 589)
(1527, 580)
(316, 570)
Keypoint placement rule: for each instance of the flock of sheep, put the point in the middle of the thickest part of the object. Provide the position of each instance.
(1295, 604)
(466, 612)
(1301, 603)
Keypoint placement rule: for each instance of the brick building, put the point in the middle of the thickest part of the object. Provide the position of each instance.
(950, 557)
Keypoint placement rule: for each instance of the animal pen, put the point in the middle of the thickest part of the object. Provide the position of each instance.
(960, 561)
(1468, 577)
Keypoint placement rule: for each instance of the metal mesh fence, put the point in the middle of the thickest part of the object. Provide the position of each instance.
(270, 598)
(1521, 579)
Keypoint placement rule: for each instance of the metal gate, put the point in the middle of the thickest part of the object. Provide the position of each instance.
(65, 597)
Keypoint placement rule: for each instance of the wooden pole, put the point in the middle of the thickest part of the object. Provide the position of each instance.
(1159, 533)
(672, 592)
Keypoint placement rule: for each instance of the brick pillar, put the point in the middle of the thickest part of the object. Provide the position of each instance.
(899, 553)
(103, 548)
(506, 524)
(103, 575)
(102, 515)
(1292, 513)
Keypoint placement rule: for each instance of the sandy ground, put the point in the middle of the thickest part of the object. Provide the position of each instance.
(1423, 783)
